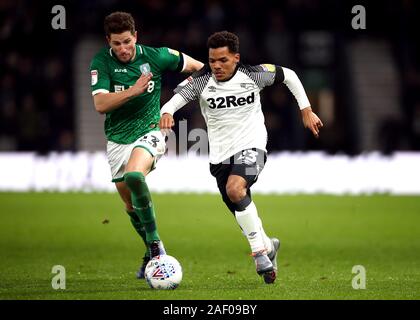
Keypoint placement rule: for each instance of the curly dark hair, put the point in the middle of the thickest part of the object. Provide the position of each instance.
(119, 22)
(224, 39)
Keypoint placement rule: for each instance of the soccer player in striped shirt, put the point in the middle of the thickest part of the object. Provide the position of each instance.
(229, 95)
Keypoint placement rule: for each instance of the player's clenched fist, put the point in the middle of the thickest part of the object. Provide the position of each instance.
(166, 121)
(141, 84)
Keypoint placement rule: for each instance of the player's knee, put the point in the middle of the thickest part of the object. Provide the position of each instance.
(133, 179)
(235, 192)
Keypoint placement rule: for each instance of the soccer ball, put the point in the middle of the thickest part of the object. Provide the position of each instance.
(163, 272)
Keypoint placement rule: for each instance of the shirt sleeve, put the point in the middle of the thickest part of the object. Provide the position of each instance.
(265, 74)
(171, 59)
(173, 105)
(99, 75)
(187, 89)
(185, 92)
(292, 81)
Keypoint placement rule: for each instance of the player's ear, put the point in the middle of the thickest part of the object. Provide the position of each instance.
(135, 35)
(237, 57)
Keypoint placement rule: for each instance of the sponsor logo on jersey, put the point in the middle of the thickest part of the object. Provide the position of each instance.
(145, 68)
(212, 89)
(230, 101)
(94, 77)
(118, 88)
(120, 70)
(248, 86)
(252, 234)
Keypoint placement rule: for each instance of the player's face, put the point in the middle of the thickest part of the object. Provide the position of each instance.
(123, 45)
(222, 62)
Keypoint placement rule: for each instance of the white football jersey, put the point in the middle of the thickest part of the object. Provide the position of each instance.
(232, 108)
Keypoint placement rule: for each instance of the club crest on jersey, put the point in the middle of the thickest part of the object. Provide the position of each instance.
(94, 77)
(145, 68)
(248, 86)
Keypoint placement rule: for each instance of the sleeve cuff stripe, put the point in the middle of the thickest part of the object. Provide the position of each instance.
(99, 91)
(279, 74)
(182, 63)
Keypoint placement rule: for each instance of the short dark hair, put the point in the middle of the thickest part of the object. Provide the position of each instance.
(224, 39)
(119, 22)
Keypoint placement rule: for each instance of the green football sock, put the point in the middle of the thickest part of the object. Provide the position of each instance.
(135, 221)
(142, 203)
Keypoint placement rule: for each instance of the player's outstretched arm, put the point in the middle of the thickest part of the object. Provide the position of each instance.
(191, 65)
(309, 118)
(106, 102)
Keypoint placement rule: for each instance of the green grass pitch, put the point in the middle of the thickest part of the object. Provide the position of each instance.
(322, 237)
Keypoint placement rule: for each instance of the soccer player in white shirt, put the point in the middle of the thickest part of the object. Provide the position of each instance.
(229, 96)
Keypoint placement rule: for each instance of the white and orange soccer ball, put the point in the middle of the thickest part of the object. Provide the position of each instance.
(163, 272)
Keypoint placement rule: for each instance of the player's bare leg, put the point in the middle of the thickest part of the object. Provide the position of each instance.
(247, 217)
(138, 166)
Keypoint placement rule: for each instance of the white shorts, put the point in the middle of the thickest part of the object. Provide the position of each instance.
(119, 154)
